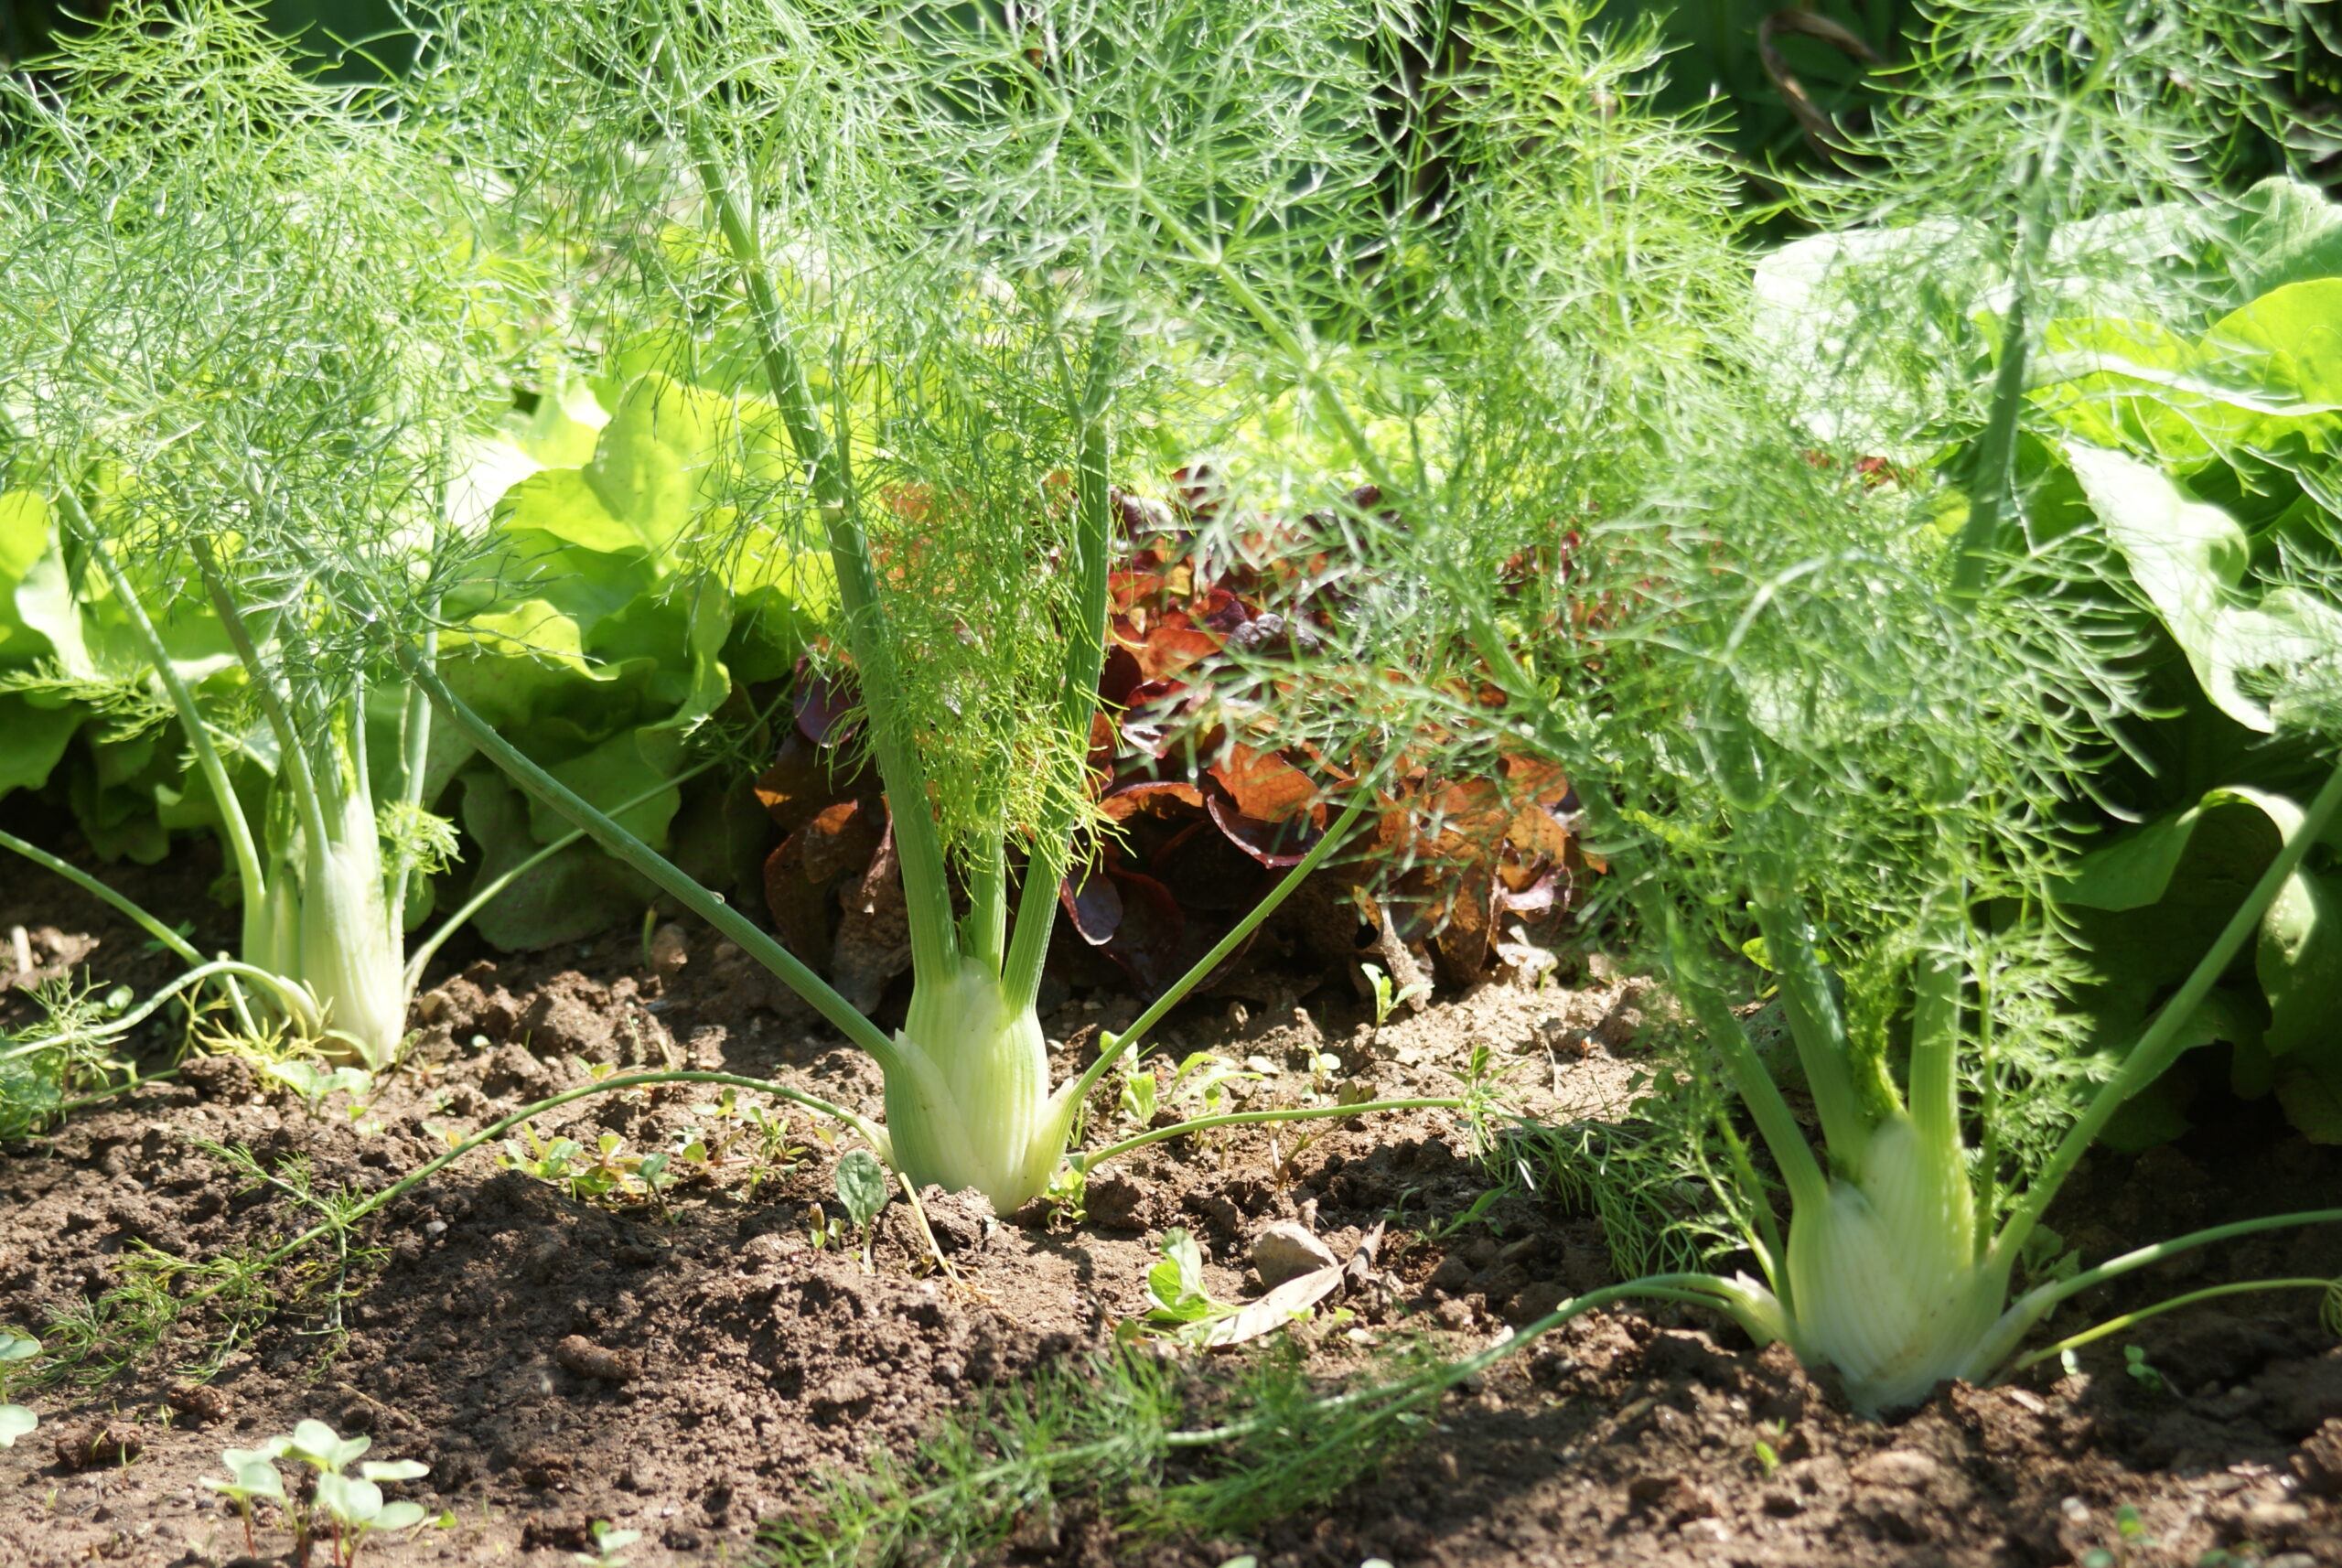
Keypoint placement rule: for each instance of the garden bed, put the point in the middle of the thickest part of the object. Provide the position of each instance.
(689, 1369)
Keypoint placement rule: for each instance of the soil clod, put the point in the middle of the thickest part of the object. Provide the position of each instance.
(587, 1359)
(100, 1444)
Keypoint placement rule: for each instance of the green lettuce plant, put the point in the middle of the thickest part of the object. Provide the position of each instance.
(2202, 459)
(249, 331)
(582, 630)
(2151, 372)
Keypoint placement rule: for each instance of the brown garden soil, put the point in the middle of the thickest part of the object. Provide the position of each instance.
(689, 1372)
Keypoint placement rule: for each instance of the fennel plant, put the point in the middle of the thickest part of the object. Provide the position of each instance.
(1834, 716)
(240, 342)
(945, 261)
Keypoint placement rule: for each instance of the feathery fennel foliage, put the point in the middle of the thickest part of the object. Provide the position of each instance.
(1839, 718)
(945, 260)
(239, 338)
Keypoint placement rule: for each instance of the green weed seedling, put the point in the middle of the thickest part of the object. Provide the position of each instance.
(1141, 1093)
(346, 1507)
(1183, 1310)
(608, 1545)
(15, 1420)
(2131, 1536)
(610, 1171)
(734, 1133)
(1205, 1085)
(1387, 1000)
(818, 1228)
(547, 1159)
(1768, 1448)
(1472, 1216)
(314, 1082)
(2143, 1371)
(252, 1473)
(862, 1187)
(352, 1505)
(776, 1155)
(1067, 1196)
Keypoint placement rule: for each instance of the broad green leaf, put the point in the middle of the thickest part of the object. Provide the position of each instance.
(2310, 1088)
(572, 895)
(2124, 262)
(1815, 320)
(2148, 905)
(16, 1421)
(2299, 962)
(349, 1498)
(2115, 384)
(2158, 1113)
(253, 1474)
(111, 791)
(562, 430)
(2289, 233)
(560, 503)
(2132, 871)
(17, 1347)
(273, 1448)
(668, 454)
(619, 769)
(2291, 628)
(560, 434)
(2139, 951)
(398, 1515)
(2136, 869)
(393, 1469)
(2189, 559)
(32, 739)
(2288, 342)
(315, 1442)
(542, 595)
(782, 593)
(23, 541)
(1176, 1282)
(861, 1186)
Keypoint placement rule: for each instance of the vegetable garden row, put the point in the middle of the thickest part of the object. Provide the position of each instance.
(1101, 510)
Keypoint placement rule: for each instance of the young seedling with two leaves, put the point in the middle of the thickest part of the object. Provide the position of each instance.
(862, 1187)
(15, 1420)
(341, 1504)
(610, 1545)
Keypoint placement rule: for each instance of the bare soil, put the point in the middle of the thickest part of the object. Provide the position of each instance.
(687, 1369)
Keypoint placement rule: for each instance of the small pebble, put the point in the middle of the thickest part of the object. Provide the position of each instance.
(1286, 1251)
(1905, 1467)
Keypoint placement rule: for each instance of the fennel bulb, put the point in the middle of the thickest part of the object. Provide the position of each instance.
(970, 1104)
(349, 953)
(1885, 1283)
